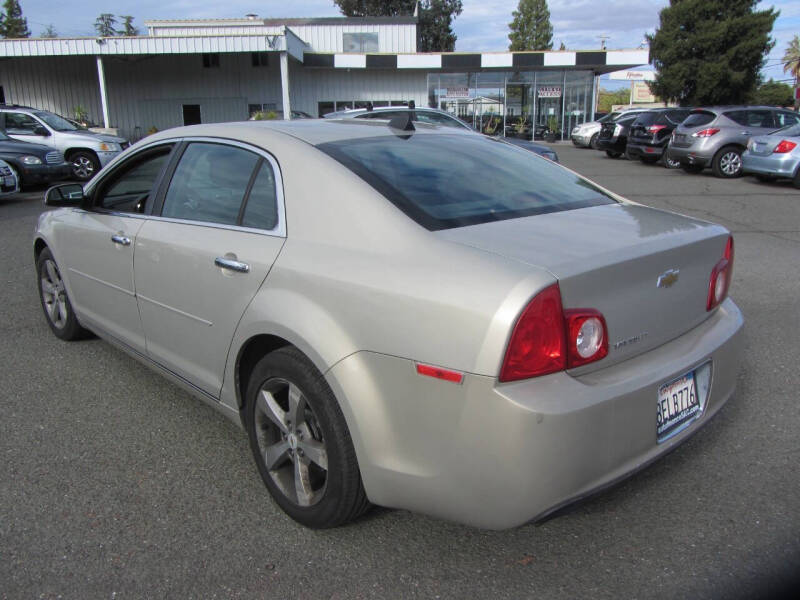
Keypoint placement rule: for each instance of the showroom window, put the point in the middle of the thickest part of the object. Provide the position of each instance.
(211, 61)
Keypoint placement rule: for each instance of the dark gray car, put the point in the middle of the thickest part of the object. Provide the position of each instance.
(715, 137)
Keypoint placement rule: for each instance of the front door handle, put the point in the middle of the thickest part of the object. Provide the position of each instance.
(121, 239)
(746, 133)
(232, 265)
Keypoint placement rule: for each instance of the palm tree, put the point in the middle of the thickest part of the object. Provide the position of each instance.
(791, 62)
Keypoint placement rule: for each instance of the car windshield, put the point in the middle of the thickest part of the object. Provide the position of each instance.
(788, 131)
(56, 122)
(446, 180)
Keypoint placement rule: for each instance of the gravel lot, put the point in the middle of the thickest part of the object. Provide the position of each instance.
(116, 484)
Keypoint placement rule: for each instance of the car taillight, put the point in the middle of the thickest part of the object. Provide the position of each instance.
(784, 147)
(587, 338)
(547, 339)
(705, 133)
(656, 128)
(721, 275)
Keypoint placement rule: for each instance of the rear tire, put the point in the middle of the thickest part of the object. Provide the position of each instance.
(796, 180)
(612, 154)
(727, 163)
(294, 421)
(56, 305)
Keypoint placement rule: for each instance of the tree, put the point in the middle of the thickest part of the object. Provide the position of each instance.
(773, 93)
(531, 28)
(608, 98)
(434, 29)
(710, 51)
(791, 62)
(12, 23)
(127, 26)
(49, 32)
(104, 25)
(562, 46)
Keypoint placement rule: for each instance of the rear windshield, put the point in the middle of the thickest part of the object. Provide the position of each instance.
(444, 181)
(677, 116)
(647, 118)
(699, 118)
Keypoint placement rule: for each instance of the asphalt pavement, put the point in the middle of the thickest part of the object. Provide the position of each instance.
(116, 484)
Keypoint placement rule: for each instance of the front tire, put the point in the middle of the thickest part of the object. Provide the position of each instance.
(55, 302)
(727, 163)
(593, 141)
(300, 442)
(85, 164)
(671, 163)
(612, 154)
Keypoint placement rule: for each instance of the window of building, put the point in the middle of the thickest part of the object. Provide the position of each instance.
(259, 59)
(263, 107)
(360, 42)
(211, 61)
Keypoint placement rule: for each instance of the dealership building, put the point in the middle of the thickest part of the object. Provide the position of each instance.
(213, 70)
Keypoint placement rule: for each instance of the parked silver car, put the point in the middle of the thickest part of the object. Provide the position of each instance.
(9, 183)
(417, 318)
(716, 137)
(774, 156)
(86, 150)
(585, 135)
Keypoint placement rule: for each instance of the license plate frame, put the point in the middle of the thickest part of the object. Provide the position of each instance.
(678, 405)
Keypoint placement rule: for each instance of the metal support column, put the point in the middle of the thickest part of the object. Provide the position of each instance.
(101, 77)
(287, 109)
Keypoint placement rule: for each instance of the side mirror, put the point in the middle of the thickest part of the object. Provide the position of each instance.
(41, 130)
(67, 194)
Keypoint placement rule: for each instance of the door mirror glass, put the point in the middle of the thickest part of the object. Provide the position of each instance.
(68, 194)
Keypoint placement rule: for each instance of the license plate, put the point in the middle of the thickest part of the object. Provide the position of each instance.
(678, 405)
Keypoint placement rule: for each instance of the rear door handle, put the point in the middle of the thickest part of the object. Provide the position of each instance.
(746, 133)
(232, 265)
(121, 240)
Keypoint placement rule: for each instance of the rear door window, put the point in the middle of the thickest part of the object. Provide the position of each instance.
(760, 118)
(210, 183)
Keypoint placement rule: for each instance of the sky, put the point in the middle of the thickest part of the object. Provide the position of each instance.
(483, 26)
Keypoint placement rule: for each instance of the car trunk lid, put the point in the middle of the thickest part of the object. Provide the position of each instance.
(646, 270)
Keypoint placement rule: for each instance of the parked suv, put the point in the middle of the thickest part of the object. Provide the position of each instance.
(613, 136)
(87, 151)
(651, 132)
(33, 163)
(586, 134)
(716, 136)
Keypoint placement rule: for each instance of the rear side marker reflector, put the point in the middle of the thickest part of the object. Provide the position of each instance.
(440, 373)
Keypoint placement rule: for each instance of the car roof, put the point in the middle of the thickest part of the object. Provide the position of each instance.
(355, 112)
(311, 131)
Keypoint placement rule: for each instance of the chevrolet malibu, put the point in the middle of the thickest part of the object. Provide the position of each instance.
(400, 314)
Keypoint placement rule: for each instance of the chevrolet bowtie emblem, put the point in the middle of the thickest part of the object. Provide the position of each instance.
(667, 278)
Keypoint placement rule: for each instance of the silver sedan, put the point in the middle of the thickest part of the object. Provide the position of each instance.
(774, 156)
(411, 316)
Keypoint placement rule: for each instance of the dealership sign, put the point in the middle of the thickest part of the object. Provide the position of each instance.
(631, 75)
(553, 91)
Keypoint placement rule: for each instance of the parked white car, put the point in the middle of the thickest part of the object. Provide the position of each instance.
(86, 150)
(9, 182)
(585, 135)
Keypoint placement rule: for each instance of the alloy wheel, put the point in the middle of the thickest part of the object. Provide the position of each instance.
(730, 163)
(54, 294)
(291, 443)
(82, 167)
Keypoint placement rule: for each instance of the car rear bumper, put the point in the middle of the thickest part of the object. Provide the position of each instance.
(612, 144)
(500, 455)
(689, 156)
(772, 164)
(644, 150)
